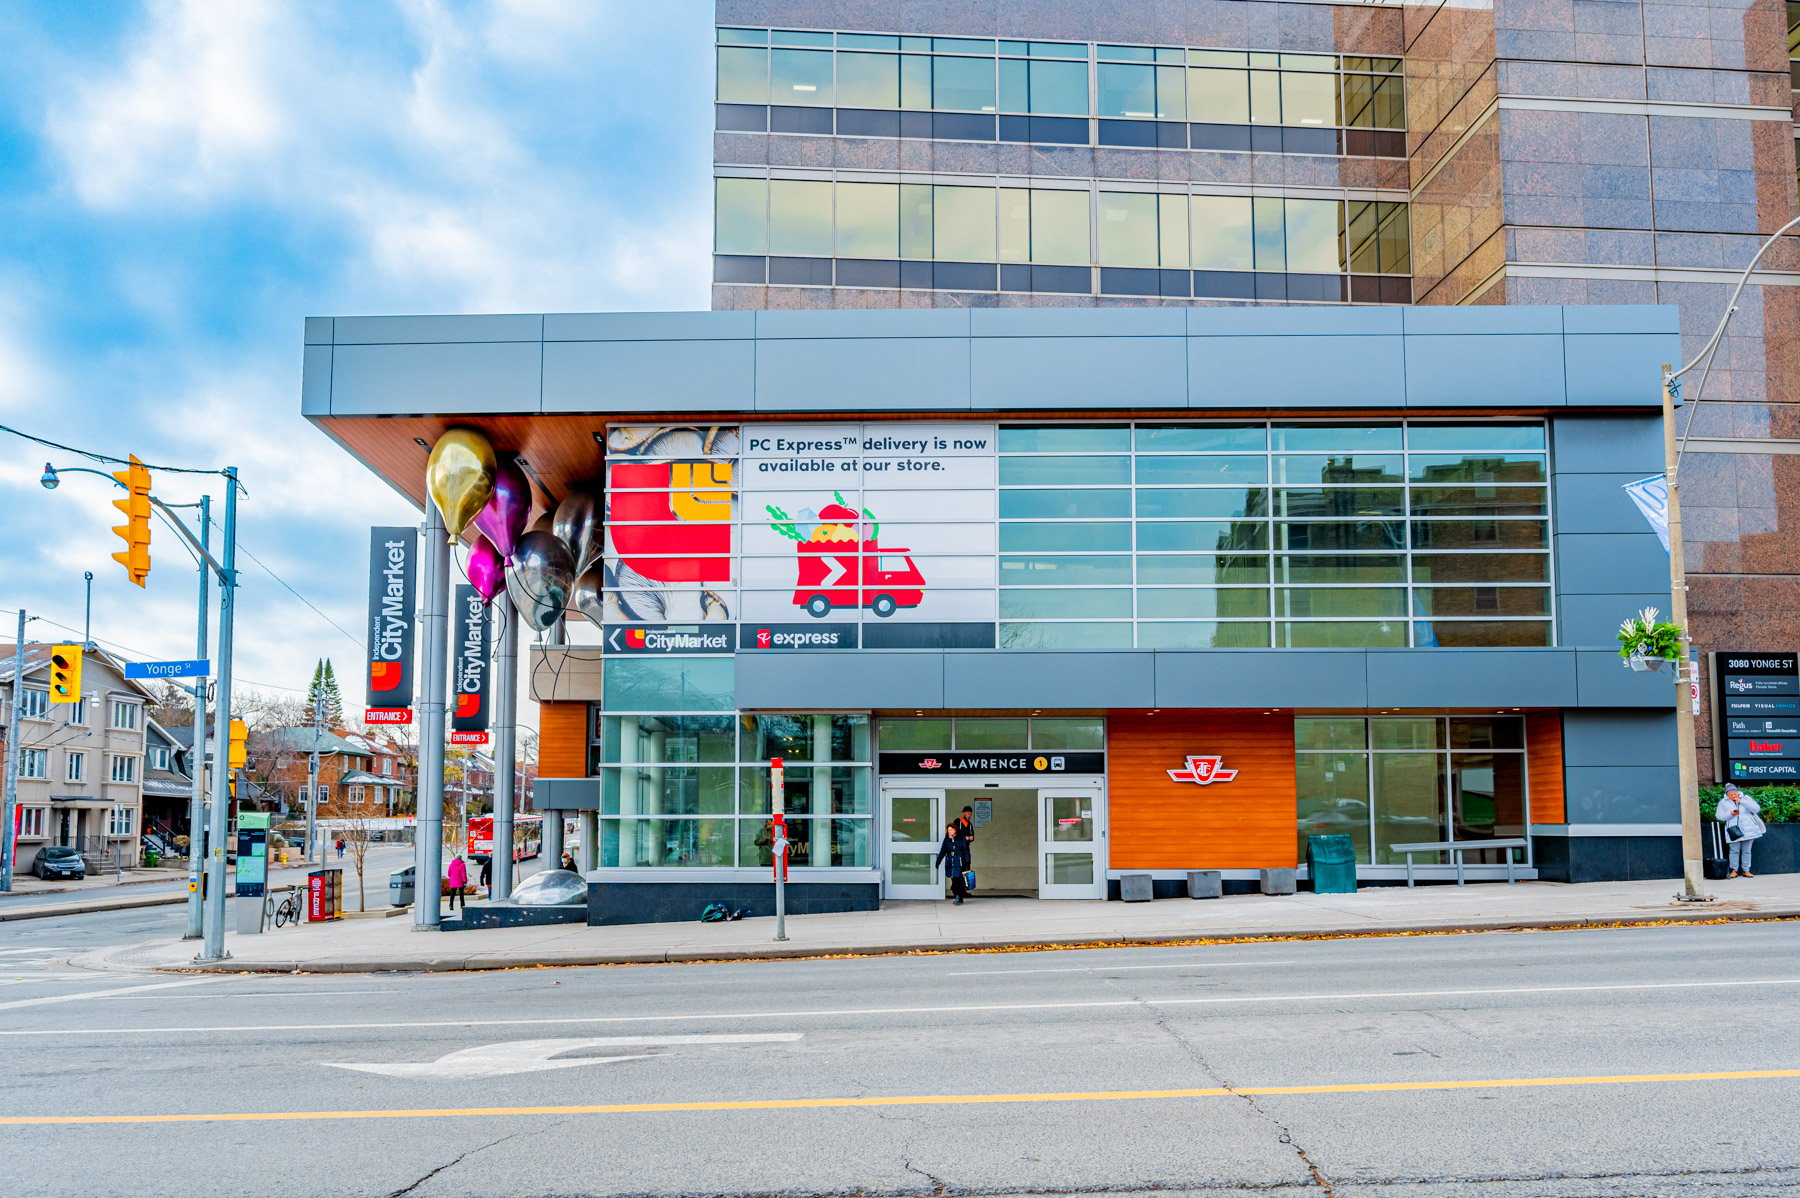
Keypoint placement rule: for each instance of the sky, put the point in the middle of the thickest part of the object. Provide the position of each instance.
(183, 181)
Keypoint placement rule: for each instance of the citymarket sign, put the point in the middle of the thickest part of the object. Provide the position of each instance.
(1203, 771)
(963, 764)
(662, 640)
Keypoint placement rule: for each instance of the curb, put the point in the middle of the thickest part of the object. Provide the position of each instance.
(55, 909)
(476, 963)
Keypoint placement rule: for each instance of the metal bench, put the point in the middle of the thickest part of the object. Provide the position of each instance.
(1456, 849)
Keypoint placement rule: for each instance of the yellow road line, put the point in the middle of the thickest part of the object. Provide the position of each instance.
(790, 1104)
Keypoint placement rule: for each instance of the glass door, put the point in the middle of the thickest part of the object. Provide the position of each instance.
(1070, 863)
(915, 828)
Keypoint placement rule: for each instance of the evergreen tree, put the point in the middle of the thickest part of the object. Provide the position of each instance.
(324, 682)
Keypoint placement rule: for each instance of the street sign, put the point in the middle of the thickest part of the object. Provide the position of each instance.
(167, 669)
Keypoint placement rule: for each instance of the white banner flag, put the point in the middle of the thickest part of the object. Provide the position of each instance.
(1652, 497)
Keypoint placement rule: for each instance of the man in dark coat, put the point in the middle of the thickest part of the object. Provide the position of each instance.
(953, 855)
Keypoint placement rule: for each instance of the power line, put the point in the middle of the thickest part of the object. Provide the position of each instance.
(293, 592)
(146, 655)
(101, 457)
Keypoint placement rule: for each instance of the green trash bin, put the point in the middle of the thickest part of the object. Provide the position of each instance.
(1331, 863)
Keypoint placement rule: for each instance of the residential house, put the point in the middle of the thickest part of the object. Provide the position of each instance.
(168, 782)
(81, 765)
(279, 764)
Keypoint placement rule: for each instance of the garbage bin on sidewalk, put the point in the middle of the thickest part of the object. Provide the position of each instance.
(1331, 863)
(400, 887)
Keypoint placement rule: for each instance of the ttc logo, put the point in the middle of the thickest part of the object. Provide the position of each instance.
(1203, 771)
(931, 763)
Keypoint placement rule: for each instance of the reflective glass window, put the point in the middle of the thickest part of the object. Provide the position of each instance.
(1070, 438)
(1270, 224)
(1073, 733)
(963, 223)
(1265, 98)
(1086, 469)
(1128, 229)
(914, 735)
(1308, 99)
(1059, 88)
(868, 220)
(743, 75)
(1172, 231)
(1221, 233)
(1218, 97)
(1014, 242)
(963, 84)
(915, 82)
(741, 216)
(1201, 438)
(1064, 602)
(1312, 236)
(1059, 228)
(800, 77)
(1126, 90)
(800, 218)
(868, 80)
(915, 220)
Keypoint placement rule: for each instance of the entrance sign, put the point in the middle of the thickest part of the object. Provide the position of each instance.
(388, 715)
(1757, 715)
(393, 554)
(993, 763)
(167, 669)
(1203, 771)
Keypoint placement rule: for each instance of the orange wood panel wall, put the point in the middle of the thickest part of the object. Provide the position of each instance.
(562, 740)
(1544, 760)
(1157, 823)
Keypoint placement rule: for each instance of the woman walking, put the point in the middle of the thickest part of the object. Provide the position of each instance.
(457, 876)
(953, 855)
(1742, 817)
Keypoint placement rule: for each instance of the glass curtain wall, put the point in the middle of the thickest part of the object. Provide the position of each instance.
(1409, 779)
(1285, 535)
(690, 789)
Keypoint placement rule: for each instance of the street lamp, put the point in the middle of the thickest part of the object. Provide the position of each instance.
(1686, 689)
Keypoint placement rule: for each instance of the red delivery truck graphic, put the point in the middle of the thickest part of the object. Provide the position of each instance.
(839, 567)
(671, 521)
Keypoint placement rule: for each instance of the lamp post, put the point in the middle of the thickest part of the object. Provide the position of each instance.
(1686, 677)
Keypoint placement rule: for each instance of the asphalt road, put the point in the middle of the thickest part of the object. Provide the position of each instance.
(1323, 1066)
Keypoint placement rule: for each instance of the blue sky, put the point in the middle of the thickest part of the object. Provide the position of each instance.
(182, 181)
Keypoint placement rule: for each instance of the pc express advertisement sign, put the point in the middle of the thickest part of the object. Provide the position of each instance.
(806, 536)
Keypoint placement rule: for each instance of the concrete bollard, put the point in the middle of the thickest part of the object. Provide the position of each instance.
(1278, 881)
(1136, 888)
(1205, 883)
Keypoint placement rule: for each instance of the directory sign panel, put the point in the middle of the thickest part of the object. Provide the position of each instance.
(1757, 715)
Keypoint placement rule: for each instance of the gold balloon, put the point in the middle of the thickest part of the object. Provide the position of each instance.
(460, 477)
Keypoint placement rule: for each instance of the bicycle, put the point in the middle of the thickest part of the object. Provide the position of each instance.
(289, 909)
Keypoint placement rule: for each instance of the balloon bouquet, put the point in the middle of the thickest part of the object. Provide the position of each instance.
(536, 562)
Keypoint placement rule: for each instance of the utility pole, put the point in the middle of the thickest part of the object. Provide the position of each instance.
(312, 779)
(1692, 868)
(214, 944)
(9, 841)
(87, 624)
(506, 702)
(428, 847)
(196, 913)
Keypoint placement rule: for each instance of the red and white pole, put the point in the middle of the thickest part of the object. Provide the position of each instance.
(779, 838)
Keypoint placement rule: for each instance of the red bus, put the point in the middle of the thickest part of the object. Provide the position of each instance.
(528, 836)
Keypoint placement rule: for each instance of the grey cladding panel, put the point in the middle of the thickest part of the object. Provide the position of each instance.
(1471, 678)
(1077, 322)
(1601, 738)
(814, 681)
(1592, 621)
(1296, 372)
(1079, 372)
(1596, 503)
(1622, 794)
(1277, 678)
(1608, 444)
(480, 377)
(640, 376)
(1021, 678)
(315, 381)
(1621, 370)
(1604, 681)
(1442, 320)
(394, 330)
(1484, 371)
(649, 326)
(1621, 318)
(1610, 563)
(886, 374)
(1300, 321)
(318, 330)
(882, 322)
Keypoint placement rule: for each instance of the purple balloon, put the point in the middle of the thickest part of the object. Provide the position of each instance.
(487, 570)
(503, 519)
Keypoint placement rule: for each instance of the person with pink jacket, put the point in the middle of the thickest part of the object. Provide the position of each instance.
(458, 877)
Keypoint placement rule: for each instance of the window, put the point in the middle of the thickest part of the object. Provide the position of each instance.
(34, 704)
(78, 711)
(123, 768)
(31, 821)
(387, 767)
(1411, 779)
(692, 790)
(322, 795)
(800, 218)
(34, 763)
(741, 216)
(156, 759)
(356, 795)
(77, 767)
(121, 821)
(125, 716)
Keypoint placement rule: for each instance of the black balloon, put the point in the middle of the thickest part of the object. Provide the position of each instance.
(590, 592)
(577, 522)
(542, 578)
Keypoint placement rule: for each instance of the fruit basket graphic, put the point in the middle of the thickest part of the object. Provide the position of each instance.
(838, 566)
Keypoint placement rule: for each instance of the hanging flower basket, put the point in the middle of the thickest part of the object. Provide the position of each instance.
(1646, 642)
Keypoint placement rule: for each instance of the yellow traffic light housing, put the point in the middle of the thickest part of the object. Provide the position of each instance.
(240, 732)
(135, 532)
(65, 673)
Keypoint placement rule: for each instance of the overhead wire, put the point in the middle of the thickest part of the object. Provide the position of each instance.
(91, 456)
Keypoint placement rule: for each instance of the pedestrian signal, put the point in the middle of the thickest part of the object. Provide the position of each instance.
(135, 532)
(240, 732)
(65, 673)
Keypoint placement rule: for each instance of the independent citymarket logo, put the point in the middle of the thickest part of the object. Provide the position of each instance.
(1203, 771)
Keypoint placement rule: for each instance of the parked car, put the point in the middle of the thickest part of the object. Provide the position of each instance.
(59, 861)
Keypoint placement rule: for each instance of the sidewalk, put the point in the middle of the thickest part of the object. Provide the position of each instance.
(357, 946)
(103, 894)
(25, 883)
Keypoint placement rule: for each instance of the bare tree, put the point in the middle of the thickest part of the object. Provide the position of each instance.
(352, 824)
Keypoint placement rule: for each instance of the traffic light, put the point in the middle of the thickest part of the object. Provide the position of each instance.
(136, 530)
(239, 733)
(65, 673)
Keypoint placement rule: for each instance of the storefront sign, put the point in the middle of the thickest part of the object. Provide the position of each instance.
(785, 637)
(663, 640)
(1758, 714)
(391, 597)
(468, 738)
(993, 763)
(388, 715)
(470, 665)
(1203, 771)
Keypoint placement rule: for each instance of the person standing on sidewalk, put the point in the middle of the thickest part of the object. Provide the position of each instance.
(457, 876)
(1742, 817)
(953, 855)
